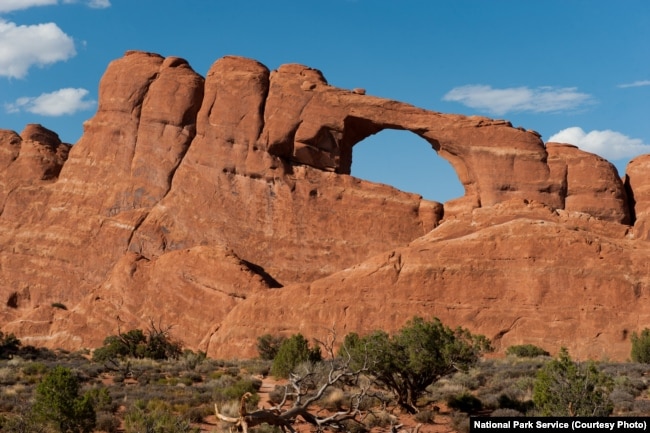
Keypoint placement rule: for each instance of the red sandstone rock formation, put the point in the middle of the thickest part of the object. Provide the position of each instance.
(590, 184)
(224, 206)
(638, 186)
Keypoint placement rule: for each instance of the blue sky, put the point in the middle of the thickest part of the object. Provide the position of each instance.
(576, 71)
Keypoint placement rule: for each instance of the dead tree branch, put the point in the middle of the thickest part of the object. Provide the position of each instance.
(305, 388)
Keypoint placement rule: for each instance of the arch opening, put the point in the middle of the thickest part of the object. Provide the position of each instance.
(405, 161)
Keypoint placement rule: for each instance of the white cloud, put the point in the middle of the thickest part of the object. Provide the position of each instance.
(609, 144)
(635, 84)
(501, 101)
(58, 103)
(99, 4)
(24, 46)
(14, 5)
(95, 4)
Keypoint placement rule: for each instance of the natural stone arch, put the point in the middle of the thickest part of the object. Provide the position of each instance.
(305, 121)
(309, 122)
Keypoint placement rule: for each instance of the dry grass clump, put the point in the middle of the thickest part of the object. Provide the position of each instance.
(460, 422)
(8, 376)
(334, 400)
(425, 416)
(506, 413)
(379, 418)
(229, 408)
(445, 388)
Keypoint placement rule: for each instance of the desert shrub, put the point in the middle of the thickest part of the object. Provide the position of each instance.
(519, 368)
(472, 379)
(444, 388)
(622, 400)
(465, 403)
(419, 354)
(174, 381)
(566, 388)
(191, 360)
(155, 344)
(32, 353)
(515, 394)
(460, 422)
(277, 394)
(268, 345)
(130, 344)
(107, 422)
(23, 422)
(91, 370)
(197, 414)
(377, 400)
(118, 378)
(334, 399)
(641, 407)
(232, 371)
(235, 390)
(354, 426)
(506, 413)
(291, 353)
(425, 416)
(641, 347)
(507, 402)
(9, 401)
(8, 376)
(379, 418)
(229, 408)
(627, 369)
(34, 369)
(634, 385)
(9, 345)
(101, 399)
(257, 366)
(193, 376)
(58, 402)
(489, 401)
(203, 395)
(266, 428)
(526, 351)
(155, 417)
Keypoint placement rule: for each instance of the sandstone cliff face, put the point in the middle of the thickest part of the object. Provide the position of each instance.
(224, 206)
(638, 186)
(520, 273)
(589, 183)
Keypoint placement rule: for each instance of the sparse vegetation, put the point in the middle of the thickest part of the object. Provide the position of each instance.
(567, 388)
(58, 402)
(156, 343)
(175, 395)
(292, 352)
(526, 351)
(269, 345)
(419, 354)
(9, 345)
(641, 347)
(465, 402)
(156, 416)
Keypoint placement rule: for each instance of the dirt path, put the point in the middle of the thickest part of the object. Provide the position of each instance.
(268, 385)
(212, 425)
